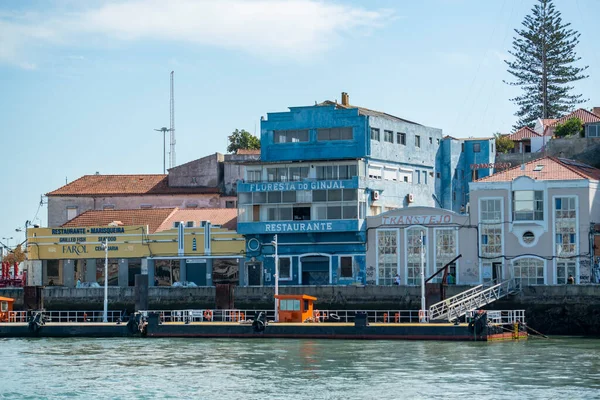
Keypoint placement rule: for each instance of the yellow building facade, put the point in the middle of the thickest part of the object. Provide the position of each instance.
(76, 256)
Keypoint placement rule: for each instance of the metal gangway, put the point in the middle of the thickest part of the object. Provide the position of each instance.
(456, 306)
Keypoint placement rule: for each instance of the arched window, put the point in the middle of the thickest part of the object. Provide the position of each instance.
(528, 271)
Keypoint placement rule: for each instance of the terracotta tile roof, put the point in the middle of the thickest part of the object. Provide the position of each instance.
(153, 217)
(523, 133)
(124, 185)
(248, 151)
(547, 169)
(226, 217)
(584, 115)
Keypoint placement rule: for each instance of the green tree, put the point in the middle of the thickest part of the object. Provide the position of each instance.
(571, 127)
(503, 143)
(544, 53)
(242, 140)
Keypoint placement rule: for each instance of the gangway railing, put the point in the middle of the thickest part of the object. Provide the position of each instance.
(502, 317)
(472, 299)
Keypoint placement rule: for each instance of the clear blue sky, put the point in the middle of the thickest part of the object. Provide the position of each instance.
(83, 84)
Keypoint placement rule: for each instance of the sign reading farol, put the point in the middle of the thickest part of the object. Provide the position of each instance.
(417, 220)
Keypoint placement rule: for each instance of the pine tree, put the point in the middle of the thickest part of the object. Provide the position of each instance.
(544, 53)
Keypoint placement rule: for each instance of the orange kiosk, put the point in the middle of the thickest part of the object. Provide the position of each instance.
(6, 308)
(295, 307)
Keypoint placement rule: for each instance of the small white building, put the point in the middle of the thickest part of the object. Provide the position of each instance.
(394, 246)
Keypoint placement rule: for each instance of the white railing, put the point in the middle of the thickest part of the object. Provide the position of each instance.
(373, 316)
(504, 317)
(459, 305)
(69, 316)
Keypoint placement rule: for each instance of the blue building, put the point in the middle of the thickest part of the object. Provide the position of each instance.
(462, 161)
(323, 170)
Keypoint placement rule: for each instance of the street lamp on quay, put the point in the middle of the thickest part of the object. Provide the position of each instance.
(27, 225)
(6, 244)
(164, 131)
(105, 247)
(276, 276)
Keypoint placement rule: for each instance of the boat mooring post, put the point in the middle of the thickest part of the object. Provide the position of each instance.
(276, 276)
(105, 246)
(423, 305)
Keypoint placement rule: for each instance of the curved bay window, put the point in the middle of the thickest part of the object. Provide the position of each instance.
(528, 271)
(387, 256)
(413, 255)
(528, 205)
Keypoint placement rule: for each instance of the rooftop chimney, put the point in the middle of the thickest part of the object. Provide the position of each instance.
(596, 110)
(345, 99)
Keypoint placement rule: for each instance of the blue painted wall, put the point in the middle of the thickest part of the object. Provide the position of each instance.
(457, 158)
(335, 238)
(312, 118)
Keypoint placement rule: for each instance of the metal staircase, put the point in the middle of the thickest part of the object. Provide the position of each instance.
(456, 306)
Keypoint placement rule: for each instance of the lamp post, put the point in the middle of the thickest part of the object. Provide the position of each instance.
(7, 245)
(164, 130)
(423, 305)
(105, 246)
(274, 243)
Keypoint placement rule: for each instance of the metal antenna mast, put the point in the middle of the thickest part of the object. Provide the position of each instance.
(172, 128)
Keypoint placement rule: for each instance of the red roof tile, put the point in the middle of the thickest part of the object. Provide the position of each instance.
(153, 218)
(226, 217)
(584, 115)
(523, 133)
(552, 169)
(248, 151)
(125, 185)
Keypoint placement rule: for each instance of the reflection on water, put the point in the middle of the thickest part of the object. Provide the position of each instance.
(298, 369)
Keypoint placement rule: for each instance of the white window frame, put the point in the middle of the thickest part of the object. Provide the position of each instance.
(70, 210)
(406, 235)
(576, 251)
(502, 237)
(450, 257)
(379, 232)
(290, 277)
(544, 269)
(375, 171)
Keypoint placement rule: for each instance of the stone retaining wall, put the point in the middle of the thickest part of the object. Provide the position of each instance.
(556, 309)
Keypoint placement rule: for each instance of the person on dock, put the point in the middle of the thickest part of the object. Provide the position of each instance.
(78, 283)
(570, 280)
(450, 279)
(397, 280)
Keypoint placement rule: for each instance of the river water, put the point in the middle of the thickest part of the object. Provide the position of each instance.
(558, 368)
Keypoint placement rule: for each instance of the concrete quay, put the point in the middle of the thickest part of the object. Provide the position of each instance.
(550, 309)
